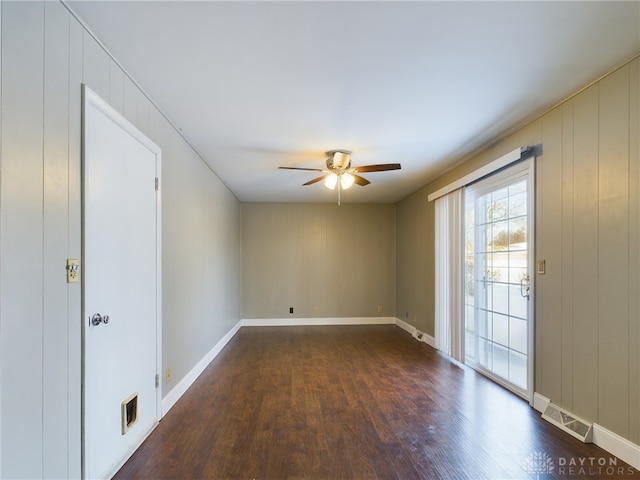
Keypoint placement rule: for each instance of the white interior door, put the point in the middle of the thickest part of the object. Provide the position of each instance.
(121, 288)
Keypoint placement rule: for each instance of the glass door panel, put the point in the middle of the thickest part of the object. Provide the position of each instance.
(497, 291)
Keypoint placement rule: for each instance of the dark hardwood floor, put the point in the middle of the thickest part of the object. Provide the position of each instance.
(355, 402)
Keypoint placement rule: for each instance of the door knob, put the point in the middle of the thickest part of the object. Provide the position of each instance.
(96, 319)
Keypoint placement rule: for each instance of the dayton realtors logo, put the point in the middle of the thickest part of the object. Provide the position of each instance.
(598, 467)
(540, 463)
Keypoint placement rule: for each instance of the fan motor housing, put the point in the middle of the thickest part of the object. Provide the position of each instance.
(339, 159)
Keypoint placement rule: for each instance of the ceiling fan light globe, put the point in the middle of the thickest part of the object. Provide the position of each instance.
(346, 180)
(331, 181)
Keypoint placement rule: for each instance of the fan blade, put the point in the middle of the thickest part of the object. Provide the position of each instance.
(383, 167)
(360, 180)
(299, 168)
(315, 180)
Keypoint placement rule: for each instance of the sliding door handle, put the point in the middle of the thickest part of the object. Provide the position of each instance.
(525, 286)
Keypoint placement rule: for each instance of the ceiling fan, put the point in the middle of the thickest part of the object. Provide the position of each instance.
(340, 173)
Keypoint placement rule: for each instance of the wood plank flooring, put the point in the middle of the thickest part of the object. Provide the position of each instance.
(355, 402)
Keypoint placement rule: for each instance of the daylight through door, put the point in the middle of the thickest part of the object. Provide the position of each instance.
(498, 289)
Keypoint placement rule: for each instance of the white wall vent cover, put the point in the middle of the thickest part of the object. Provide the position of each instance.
(571, 424)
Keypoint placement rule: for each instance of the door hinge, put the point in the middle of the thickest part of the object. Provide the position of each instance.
(157, 380)
(157, 184)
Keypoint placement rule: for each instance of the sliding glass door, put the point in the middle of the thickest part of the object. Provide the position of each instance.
(498, 290)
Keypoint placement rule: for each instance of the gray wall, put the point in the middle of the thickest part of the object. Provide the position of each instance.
(588, 231)
(340, 259)
(415, 287)
(46, 55)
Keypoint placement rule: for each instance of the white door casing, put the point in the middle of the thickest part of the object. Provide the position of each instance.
(121, 277)
(499, 314)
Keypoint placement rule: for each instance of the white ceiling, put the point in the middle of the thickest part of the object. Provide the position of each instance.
(257, 85)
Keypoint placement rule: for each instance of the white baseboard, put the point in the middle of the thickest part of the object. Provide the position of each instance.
(297, 322)
(181, 387)
(429, 340)
(415, 333)
(291, 322)
(540, 402)
(611, 442)
(616, 445)
(410, 329)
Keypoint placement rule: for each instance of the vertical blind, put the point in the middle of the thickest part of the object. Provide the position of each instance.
(449, 251)
(449, 218)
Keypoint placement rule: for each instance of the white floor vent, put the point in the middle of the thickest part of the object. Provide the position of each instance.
(418, 335)
(571, 424)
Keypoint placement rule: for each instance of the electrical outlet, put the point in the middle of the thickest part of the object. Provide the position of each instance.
(290, 309)
(73, 270)
(380, 309)
(316, 309)
(168, 376)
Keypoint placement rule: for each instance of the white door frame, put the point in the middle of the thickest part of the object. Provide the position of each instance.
(91, 99)
(526, 168)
